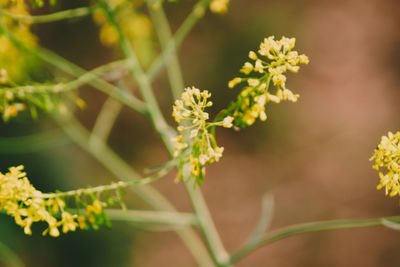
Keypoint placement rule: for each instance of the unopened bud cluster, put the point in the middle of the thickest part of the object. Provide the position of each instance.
(195, 144)
(16, 98)
(273, 60)
(387, 162)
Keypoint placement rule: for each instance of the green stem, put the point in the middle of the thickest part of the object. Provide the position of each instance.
(31, 143)
(87, 77)
(142, 80)
(207, 226)
(113, 186)
(163, 30)
(302, 228)
(9, 257)
(106, 118)
(61, 15)
(169, 51)
(152, 217)
(113, 163)
(74, 70)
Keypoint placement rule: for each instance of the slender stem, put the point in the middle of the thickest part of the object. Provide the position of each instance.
(207, 226)
(111, 108)
(72, 85)
(76, 71)
(163, 30)
(113, 163)
(170, 48)
(152, 217)
(9, 257)
(31, 143)
(106, 118)
(302, 228)
(113, 186)
(144, 84)
(142, 80)
(61, 15)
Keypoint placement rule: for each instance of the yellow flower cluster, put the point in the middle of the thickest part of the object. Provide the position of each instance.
(274, 59)
(219, 6)
(387, 157)
(26, 204)
(195, 144)
(11, 57)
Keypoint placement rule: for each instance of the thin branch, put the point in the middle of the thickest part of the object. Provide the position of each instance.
(197, 13)
(111, 109)
(74, 70)
(207, 226)
(152, 217)
(159, 123)
(113, 163)
(265, 220)
(9, 257)
(57, 16)
(302, 228)
(113, 186)
(105, 119)
(163, 30)
(31, 143)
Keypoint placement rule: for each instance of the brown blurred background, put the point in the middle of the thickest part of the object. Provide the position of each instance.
(312, 155)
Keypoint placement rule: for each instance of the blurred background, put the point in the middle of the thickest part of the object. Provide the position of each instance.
(313, 156)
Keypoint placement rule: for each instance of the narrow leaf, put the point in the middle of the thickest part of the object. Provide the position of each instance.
(264, 221)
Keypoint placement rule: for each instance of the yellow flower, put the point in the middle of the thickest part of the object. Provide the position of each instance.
(68, 222)
(196, 145)
(274, 59)
(27, 205)
(387, 162)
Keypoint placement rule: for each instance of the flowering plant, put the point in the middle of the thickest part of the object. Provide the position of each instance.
(192, 144)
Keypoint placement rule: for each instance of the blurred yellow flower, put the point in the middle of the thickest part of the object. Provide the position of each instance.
(387, 162)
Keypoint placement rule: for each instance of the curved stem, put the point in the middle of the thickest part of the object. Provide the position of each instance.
(106, 118)
(302, 228)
